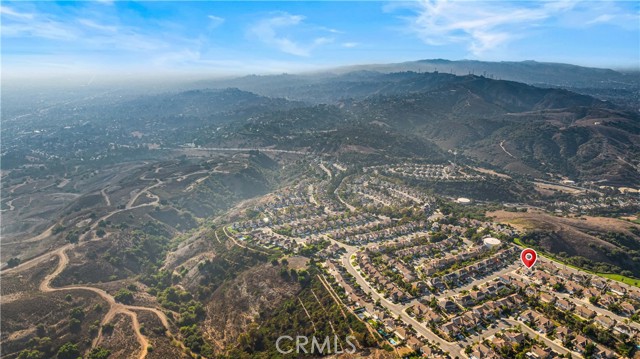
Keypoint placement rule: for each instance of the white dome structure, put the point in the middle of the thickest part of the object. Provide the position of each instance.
(491, 242)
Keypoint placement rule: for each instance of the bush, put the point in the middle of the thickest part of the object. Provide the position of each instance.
(124, 296)
(75, 325)
(68, 351)
(13, 262)
(77, 313)
(31, 354)
(72, 237)
(99, 353)
(107, 328)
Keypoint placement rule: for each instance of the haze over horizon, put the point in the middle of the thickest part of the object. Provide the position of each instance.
(43, 39)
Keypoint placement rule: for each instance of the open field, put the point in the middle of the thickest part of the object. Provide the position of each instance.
(557, 187)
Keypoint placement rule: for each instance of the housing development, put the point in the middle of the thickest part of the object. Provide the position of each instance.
(437, 284)
(314, 179)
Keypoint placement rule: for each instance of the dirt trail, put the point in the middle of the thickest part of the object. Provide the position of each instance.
(326, 170)
(14, 188)
(505, 150)
(10, 205)
(48, 232)
(114, 307)
(145, 190)
(106, 197)
(37, 238)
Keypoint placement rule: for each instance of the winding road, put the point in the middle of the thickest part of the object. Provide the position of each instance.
(114, 307)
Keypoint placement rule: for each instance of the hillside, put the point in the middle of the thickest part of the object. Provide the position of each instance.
(604, 245)
(513, 126)
(530, 72)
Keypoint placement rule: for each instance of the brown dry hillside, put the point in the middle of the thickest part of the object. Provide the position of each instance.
(599, 240)
(238, 303)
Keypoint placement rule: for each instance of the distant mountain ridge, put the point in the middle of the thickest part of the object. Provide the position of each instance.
(356, 81)
(517, 127)
(530, 72)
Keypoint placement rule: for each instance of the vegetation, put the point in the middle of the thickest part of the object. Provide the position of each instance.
(68, 351)
(13, 262)
(291, 319)
(99, 353)
(124, 296)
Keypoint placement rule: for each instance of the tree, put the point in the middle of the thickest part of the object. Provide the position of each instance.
(72, 237)
(107, 328)
(75, 325)
(77, 313)
(99, 353)
(589, 350)
(124, 296)
(31, 354)
(41, 330)
(68, 351)
(13, 262)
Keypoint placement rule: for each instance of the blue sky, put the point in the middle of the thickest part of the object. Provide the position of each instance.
(275, 37)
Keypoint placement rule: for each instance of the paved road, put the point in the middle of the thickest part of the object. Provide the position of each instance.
(586, 303)
(455, 348)
(451, 292)
(398, 310)
(551, 344)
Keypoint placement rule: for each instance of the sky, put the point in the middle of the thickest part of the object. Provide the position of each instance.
(118, 37)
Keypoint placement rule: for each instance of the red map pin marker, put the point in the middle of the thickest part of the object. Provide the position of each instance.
(528, 257)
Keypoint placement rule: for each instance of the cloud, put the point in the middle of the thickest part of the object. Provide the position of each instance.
(350, 45)
(94, 25)
(486, 25)
(482, 26)
(215, 21)
(5, 10)
(322, 41)
(601, 19)
(79, 29)
(271, 32)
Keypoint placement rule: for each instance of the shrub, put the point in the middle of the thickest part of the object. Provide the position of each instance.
(124, 296)
(31, 354)
(99, 353)
(68, 351)
(13, 262)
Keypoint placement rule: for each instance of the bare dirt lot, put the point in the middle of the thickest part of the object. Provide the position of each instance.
(581, 236)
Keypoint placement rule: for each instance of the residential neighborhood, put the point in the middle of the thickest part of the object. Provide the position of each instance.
(440, 287)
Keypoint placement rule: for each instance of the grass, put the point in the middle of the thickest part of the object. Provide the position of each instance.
(617, 277)
(620, 278)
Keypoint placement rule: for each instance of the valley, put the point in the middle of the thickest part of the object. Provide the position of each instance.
(385, 211)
